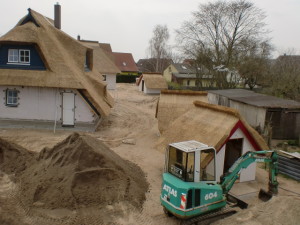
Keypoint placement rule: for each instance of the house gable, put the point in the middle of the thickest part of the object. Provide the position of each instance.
(28, 18)
(244, 130)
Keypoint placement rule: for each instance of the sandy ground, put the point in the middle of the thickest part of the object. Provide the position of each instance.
(130, 131)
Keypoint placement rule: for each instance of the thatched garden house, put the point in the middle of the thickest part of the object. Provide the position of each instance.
(152, 83)
(174, 103)
(47, 76)
(220, 127)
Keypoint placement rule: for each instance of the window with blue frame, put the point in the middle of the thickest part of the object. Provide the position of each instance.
(19, 56)
(12, 98)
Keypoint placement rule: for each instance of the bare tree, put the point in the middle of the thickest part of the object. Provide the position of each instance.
(284, 77)
(158, 47)
(254, 66)
(220, 35)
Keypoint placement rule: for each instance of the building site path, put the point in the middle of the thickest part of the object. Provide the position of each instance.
(131, 131)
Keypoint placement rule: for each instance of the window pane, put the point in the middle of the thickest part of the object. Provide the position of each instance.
(24, 56)
(190, 167)
(13, 55)
(207, 165)
(11, 97)
(177, 162)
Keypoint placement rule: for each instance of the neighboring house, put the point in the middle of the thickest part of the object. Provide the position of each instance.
(174, 103)
(106, 47)
(152, 83)
(220, 127)
(186, 75)
(150, 65)
(260, 110)
(46, 76)
(104, 62)
(125, 63)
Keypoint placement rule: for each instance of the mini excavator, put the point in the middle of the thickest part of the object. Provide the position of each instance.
(190, 188)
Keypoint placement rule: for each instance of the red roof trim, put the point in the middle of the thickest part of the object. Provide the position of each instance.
(241, 126)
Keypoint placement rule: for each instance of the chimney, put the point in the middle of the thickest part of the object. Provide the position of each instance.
(78, 37)
(57, 16)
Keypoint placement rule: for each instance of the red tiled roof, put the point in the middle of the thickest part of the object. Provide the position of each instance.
(125, 62)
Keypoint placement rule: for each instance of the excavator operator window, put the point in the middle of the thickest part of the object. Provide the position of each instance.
(181, 164)
(207, 165)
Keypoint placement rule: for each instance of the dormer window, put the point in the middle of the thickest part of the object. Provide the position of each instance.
(124, 64)
(88, 60)
(19, 56)
(183, 67)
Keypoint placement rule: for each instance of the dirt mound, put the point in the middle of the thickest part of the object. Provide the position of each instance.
(78, 172)
(279, 210)
(81, 170)
(13, 158)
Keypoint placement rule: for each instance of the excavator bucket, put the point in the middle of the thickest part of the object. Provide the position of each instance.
(264, 195)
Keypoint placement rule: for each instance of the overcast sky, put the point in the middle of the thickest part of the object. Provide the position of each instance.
(127, 24)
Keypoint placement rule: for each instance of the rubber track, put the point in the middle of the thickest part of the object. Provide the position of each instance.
(209, 217)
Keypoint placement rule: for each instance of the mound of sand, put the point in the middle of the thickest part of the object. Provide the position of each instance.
(80, 170)
(14, 158)
(279, 210)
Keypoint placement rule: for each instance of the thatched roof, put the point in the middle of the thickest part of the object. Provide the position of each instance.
(154, 81)
(106, 47)
(174, 103)
(209, 124)
(102, 60)
(63, 57)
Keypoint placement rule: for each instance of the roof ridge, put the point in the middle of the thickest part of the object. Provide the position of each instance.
(218, 108)
(186, 92)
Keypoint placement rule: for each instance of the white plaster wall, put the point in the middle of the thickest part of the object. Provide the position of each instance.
(111, 81)
(44, 104)
(141, 85)
(151, 91)
(246, 174)
(255, 116)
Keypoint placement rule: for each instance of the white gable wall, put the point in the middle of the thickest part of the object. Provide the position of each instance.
(246, 174)
(111, 81)
(151, 91)
(43, 104)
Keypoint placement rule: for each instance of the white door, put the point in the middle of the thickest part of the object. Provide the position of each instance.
(68, 109)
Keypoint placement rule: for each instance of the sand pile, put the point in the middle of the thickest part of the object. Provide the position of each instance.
(13, 158)
(81, 171)
(279, 210)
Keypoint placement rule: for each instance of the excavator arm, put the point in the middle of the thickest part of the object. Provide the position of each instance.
(269, 157)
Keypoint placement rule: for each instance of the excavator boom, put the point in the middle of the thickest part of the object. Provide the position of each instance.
(269, 157)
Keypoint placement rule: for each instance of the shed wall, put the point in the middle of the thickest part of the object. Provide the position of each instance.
(255, 116)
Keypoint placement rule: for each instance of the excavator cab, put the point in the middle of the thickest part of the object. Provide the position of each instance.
(189, 186)
(189, 181)
(191, 162)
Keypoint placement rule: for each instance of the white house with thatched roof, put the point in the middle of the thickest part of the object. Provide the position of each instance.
(47, 76)
(104, 63)
(220, 127)
(152, 83)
